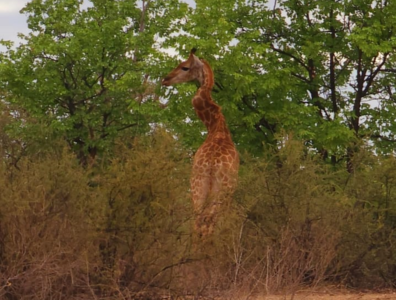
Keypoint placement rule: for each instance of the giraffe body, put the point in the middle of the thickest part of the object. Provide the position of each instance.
(216, 163)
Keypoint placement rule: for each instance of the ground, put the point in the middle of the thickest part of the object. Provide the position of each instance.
(333, 296)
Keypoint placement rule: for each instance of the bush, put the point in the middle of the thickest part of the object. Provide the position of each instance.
(122, 229)
(115, 229)
(290, 228)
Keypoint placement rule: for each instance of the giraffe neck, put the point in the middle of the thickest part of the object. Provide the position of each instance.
(206, 77)
(209, 112)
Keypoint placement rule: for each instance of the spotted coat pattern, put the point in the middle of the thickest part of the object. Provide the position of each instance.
(216, 163)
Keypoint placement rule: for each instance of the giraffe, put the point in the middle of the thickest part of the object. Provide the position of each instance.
(216, 163)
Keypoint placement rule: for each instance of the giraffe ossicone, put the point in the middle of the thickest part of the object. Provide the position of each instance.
(216, 163)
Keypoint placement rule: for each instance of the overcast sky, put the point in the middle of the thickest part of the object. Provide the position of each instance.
(11, 21)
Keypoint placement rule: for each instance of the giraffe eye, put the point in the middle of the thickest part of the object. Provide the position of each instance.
(185, 68)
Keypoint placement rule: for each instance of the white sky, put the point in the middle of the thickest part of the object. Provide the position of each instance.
(11, 21)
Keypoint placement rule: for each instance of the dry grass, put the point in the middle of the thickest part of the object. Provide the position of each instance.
(122, 230)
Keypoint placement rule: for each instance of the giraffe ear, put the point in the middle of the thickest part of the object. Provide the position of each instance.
(192, 53)
(194, 61)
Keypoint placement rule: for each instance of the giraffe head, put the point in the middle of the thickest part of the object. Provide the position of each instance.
(189, 70)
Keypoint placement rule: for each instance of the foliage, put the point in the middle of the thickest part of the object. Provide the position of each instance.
(123, 230)
(69, 232)
(322, 69)
(302, 84)
(83, 71)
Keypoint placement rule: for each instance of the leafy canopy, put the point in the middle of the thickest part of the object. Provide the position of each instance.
(83, 71)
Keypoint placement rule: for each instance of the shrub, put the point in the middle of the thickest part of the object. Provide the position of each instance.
(122, 228)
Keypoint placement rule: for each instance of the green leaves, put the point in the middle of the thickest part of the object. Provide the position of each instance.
(323, 70)
(82, 67)
(316, 68)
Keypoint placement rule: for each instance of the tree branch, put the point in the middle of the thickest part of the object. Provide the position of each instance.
(290, 55)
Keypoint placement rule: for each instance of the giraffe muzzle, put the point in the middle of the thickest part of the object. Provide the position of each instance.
(165, 81)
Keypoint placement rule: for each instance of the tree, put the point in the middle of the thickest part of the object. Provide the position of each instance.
(84, 69)
(320, 69)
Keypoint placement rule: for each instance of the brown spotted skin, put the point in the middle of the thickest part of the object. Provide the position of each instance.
(216, 163)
